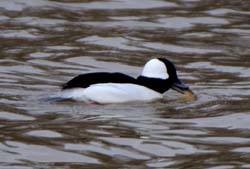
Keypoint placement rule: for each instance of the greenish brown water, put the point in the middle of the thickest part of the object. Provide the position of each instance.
(45, 43)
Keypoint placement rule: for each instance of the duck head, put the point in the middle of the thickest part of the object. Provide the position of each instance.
(160, 75)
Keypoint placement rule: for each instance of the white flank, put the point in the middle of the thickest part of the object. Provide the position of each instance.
(155, 69)
(106, 93)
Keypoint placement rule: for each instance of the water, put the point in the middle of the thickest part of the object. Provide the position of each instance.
(45, 43)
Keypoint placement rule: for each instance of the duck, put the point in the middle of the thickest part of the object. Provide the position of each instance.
(158, 76)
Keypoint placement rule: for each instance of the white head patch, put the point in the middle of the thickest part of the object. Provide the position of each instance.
(155, 69)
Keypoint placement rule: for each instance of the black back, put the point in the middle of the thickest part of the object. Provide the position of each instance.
(85, 80)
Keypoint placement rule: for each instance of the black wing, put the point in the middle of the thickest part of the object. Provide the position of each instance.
(85, 80)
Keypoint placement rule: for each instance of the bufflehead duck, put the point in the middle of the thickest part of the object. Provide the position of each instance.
(158, 76)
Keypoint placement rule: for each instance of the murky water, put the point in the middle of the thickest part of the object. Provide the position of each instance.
(45, 43)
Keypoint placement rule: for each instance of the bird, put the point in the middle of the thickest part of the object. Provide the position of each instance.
(158, 76)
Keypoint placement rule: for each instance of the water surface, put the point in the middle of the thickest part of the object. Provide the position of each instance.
(45, 43)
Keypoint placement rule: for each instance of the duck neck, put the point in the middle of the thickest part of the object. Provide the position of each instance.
(156, 84)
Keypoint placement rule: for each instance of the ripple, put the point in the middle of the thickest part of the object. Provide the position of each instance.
(234, 31)
(41, 55)
(125, 18)
(4, 18)
(246, 166)
(225, 11)
(242, 150)
(62, 48)
(157, 150)
(19, 5)
(132, 142)
(241, 71)
(199, 35)
(160, 163)
(222, 167)
(38, 22)
(98, 65)
(182, 132)
(135, 25)
(98, 132)
(15, 117)
(143, 126)
(54, 64)
(26, 34)
(224, 140)
(22, 69)
(120, 4)
(179, 49)
(17, 151)
(184, 23)
(112, 151)
(44, 133)
(15, 167)
(156, 147)
(232, 121)
(114, 42)
(170, 23)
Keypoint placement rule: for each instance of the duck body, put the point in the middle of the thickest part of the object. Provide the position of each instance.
(158, 76)
(106, 93)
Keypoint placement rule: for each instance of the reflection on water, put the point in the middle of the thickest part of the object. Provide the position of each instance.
(44, 43)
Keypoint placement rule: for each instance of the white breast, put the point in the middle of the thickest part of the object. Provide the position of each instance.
(112, 93)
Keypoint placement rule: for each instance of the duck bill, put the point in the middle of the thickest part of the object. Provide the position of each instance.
(180, 87)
